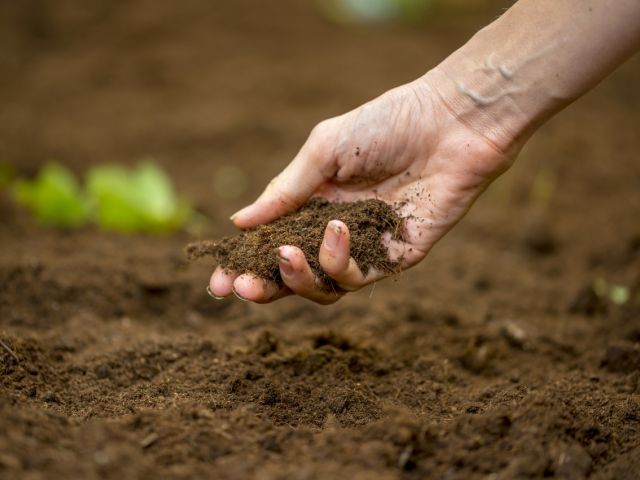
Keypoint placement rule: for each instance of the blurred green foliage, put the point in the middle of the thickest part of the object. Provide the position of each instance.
(54, 197)
(140, 200)
(115, 198)
(618, 294)
(374, 11)
(404, 12)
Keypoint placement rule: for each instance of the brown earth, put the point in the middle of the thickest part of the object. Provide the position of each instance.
(494, 359)
(255, 250)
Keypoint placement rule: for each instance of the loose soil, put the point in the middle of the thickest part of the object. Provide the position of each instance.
(255, 250)
(496, 358)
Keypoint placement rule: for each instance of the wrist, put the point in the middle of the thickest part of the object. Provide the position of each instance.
(535, 59)
(484, 101)
(503, 84)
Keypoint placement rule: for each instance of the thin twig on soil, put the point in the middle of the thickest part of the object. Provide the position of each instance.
(373, 287)
(224, 434)
(11, 352)
(149, 440)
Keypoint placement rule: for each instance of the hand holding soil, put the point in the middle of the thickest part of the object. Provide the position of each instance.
(256, 250)
(404, 148)
(433, 145)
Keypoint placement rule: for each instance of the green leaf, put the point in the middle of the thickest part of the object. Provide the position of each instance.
(53, 197)
(142, 200)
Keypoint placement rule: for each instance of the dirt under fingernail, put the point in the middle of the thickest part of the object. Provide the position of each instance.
(251, 251)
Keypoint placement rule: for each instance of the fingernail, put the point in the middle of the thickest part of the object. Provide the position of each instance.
(237, 214)
(233, 289)
(284, 264)
(332, 235)
(213, 295)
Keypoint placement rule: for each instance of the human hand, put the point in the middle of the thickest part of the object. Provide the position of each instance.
(406, 147)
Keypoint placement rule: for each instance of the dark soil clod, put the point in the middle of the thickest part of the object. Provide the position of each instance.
(255, 250)
(622, 357)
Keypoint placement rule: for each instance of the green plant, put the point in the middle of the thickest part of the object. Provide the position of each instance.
(116, 198)
(54, 197)
(139, 200)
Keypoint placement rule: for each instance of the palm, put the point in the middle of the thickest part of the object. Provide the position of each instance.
(399, 149)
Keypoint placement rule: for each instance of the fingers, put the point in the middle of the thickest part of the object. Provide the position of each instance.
(297, 276)
(300, 279)
(246, 287)
(221, 283)
(335, 258)
(293, 186)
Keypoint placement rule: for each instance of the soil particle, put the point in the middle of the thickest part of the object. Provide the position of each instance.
(332, 339)
(265, 344)
(255, 250)
(478, 354)
(572, 462)
(625, 467)
(588, 302)
(514, 334)
(538, 239)
(622, 357)
(50, 397)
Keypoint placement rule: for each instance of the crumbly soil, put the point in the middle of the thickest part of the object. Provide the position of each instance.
(496, 358)
(255, 250)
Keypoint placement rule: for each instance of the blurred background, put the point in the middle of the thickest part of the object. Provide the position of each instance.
(222, 95)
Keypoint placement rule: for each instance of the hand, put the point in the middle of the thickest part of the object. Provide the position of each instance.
(405, 146)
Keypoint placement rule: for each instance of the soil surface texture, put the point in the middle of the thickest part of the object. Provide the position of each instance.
(511, 352)
(255, 250)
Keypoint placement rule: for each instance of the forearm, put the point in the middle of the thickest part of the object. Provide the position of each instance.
(533, 61)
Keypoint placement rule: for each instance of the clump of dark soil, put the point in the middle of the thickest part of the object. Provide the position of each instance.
(255, 250)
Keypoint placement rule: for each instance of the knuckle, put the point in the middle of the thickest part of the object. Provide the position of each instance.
(348, 277)
(275, 190)
(303, 287)
(320, 128)
(321, 135)
(333, 266)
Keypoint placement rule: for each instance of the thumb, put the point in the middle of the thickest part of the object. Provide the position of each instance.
(289, 190)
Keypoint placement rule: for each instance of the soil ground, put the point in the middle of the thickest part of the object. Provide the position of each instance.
(494, 359)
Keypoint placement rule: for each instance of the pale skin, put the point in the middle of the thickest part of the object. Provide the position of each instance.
(438, 142)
